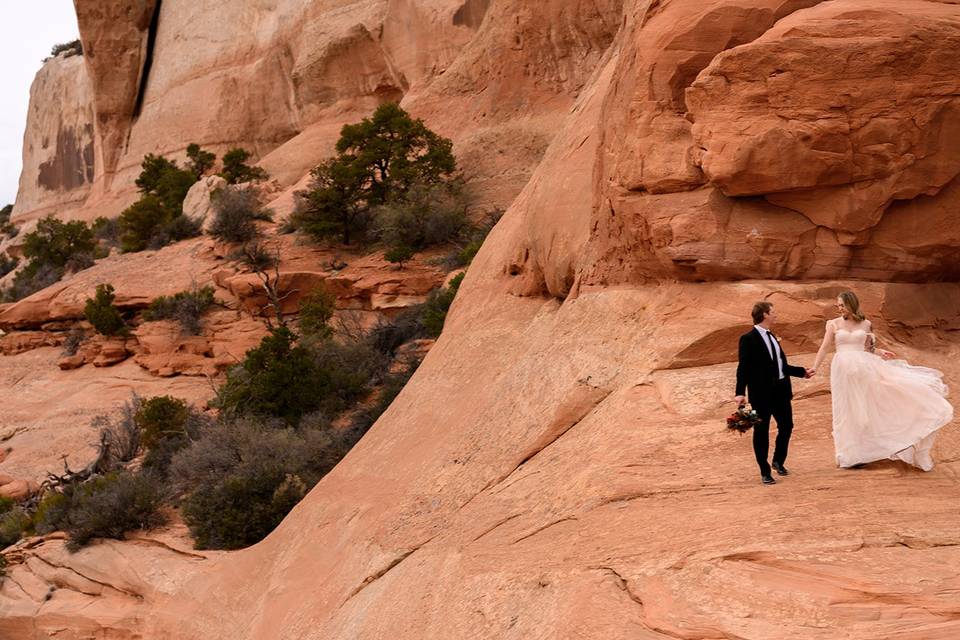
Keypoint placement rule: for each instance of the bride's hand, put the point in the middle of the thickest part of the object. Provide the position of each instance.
(886, 355)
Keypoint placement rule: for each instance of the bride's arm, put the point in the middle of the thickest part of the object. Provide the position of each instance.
(872, 344)
(824, 346)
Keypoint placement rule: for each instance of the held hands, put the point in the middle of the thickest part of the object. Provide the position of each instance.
(810, 373)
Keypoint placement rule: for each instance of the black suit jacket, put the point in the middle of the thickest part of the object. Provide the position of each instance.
(757, 373)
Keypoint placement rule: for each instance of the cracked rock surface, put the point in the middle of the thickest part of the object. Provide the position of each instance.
(558, 467)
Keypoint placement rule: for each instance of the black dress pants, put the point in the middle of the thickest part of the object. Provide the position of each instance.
(781, 410)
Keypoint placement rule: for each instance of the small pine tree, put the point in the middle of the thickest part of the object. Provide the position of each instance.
(276, 379)
(379, 160)
(198, 160)
(7, 228)
(437, 305)
(157, 218)
(316, 310)
(161, 418)
(57, 243)
(101, 313)
(399, 254)
(236, 170)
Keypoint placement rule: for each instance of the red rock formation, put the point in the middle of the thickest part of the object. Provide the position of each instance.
(779, 151)
(102, 590)
(558, 467)
(58, 146)
(117, 46)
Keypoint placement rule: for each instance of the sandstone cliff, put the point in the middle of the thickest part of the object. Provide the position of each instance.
(557, 467)
(58, 147)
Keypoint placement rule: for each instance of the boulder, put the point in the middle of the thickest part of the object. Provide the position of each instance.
(197, 205)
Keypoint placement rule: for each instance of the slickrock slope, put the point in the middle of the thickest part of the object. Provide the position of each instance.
(49, 591)
(562, 470)
(558, 465)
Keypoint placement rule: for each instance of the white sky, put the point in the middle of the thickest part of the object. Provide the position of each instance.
(28, 29)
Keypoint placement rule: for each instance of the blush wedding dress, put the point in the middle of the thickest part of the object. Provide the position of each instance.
(883, 409)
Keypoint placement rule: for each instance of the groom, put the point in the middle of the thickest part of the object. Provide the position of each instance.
(764, 373)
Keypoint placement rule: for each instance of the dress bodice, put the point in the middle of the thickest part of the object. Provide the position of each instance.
(851, 340)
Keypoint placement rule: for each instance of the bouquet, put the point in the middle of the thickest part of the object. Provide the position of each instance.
(743, 419)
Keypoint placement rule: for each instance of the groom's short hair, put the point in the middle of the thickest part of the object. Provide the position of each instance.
(760, 310)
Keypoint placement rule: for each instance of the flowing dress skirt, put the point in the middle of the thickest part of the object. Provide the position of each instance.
(885, 409)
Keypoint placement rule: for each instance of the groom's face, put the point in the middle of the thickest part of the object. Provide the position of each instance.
(771, 316)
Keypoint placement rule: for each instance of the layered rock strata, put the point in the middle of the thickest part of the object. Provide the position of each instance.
(558, 465)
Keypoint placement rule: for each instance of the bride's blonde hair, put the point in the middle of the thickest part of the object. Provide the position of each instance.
(852, 304)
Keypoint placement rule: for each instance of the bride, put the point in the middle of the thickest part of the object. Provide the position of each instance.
(882, 408)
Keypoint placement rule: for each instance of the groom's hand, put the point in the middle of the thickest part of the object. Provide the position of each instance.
(740, 400)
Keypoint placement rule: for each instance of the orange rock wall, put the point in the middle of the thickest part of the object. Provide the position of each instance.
(557, 466)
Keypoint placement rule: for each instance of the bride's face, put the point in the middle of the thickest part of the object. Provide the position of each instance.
(841, 308)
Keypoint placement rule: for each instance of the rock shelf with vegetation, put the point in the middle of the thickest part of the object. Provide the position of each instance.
(622, 179)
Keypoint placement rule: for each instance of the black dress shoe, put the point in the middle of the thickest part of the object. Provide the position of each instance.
(767, 479)
(780, 469)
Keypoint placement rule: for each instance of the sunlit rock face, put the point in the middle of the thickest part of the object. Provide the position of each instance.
(59, 163)
(281, 77)
(558, 466)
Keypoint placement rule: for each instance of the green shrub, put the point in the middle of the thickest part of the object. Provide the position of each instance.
(52, 249)
(399, 254)
(72, 48)
(386, 336)
(235, 211)
(257, 256)
(351, 367)
(332, 205)
(379, 161)
(51, 513)
(423, 217)
(186, 307)
(147, 224)
(437, 304)
(198, 160)
(6, 504)
(60, 244)
(276, 379)
(7, 228)
(473, 237)
(32, 278)
(107, 232)
(244, 477)
(160, 418)
(167, 425)
(236, 170)
(7, 264)
(157, 218)
(316, 310)
(101, 313)
(108, 506)
(286, 380)
(14, 523)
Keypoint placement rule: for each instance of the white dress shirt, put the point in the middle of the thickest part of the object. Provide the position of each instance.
(772, 346)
